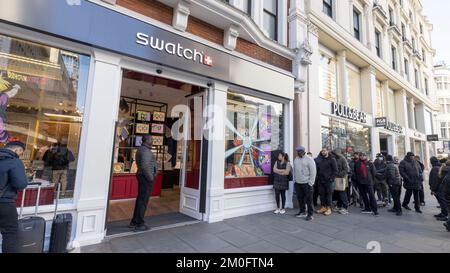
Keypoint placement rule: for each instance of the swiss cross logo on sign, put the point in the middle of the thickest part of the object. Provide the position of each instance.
(208, 60)
(174, 49)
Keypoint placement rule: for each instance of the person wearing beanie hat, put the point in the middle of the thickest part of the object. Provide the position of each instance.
(436, 188)
(394, 182)
(412, 179)
(12, 179)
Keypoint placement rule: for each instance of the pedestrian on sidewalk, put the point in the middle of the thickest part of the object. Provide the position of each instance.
(436, 188)
(282, 172)
(326, 172)
(365, 174)
(421, 192)
(146, 173)
(304, 178)
(12, 179)
(444, 174)
(412, 179)
(341, 182)
(356, 195)
(394, 181)
(381, 187)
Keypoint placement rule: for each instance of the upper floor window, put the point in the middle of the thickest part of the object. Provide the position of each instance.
(403, 32)
(354, 82)
(445, 129)
(407, 68)
(413, 41)
(416, 77)
(424, 56)
(247, 6)
(391, 17)
(394, 57)
(328, 7)
(378, 43)
(357, 24)
(421, 28)
(270, 18)
(425, 81)
(327, 80)
(445, 105)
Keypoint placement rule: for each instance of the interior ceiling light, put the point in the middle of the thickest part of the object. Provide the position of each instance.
(75, 118)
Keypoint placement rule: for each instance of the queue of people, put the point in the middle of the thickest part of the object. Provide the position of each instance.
(339, 183)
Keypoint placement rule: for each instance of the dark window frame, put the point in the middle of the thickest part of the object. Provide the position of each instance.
(394, 57)
(269, 13)
(378, 43)
(357, 27)
(328, 7)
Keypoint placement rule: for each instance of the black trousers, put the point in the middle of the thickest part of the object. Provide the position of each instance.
(305, 197)
(407, 199)
(395, 192)
(282, 194)
(316, 193)
(368, 197)
(326, 194)
(440, 197)
(144, 190)
(421, 194)
(9, 227)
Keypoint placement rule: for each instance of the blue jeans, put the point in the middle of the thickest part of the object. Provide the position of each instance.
(342, 199)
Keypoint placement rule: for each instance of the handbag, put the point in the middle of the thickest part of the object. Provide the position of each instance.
(341, 184)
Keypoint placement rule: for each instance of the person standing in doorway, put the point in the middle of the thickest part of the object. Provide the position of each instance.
(394, 182)
(341, 182)
(282, 170)
(12, 179)
(436, 188)
(146, 173)
(304, 178)
(412, 179)
(365, 175)
(326, 172)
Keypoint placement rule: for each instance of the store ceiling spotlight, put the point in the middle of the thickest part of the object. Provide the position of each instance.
(75, 118)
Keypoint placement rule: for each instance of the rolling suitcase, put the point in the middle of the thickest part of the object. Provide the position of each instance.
(31, 230)
(61, 229)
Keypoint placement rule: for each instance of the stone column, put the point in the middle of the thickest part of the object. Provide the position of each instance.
(370, 27)
(411, 116)
(401, 102)
(369, 99)
(342, 75)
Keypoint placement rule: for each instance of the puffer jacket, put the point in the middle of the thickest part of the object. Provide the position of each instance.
(434, 179)
(380, 167)
(12, 176)
(393, 175)
(326, 168)
(411, 172)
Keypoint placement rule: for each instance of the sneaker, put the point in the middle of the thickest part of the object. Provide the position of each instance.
(309, 218)
(442, 219)
(327, 212)
(418, 211)
(406, 207)
(132, 226)
(343, 211)
(439, 215)
(301, 215)
(376, 214)
(282, 211)
(321, 210)
(141, 228)
(336, 209)
(277, 211)
(399, 213)
(366, 211)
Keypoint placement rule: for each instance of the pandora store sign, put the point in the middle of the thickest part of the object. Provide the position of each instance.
(348, 113)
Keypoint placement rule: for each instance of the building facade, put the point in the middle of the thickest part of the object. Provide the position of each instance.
(371, 72)
(442, 78)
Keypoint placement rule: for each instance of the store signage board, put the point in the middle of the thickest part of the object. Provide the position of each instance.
(388, 125)
(349, 113)
(432, 138)
(103, 28)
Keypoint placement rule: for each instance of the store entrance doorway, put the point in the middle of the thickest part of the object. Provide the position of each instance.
(171, 112)
(384, 144)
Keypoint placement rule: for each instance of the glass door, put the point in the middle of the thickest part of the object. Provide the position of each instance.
(193, 171)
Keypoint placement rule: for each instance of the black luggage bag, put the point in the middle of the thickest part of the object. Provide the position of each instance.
(31, 230)
(61, 229)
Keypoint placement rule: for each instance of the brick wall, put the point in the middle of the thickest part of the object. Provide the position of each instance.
(163, 13)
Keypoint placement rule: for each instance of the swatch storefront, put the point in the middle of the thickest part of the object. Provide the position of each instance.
(71, 74)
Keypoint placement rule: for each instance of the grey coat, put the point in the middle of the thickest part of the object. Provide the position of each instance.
(146, 162)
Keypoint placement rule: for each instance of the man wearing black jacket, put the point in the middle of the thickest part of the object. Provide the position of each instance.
(394, 182)
(326, 173)
(12, 179)
(436, 188)
(381, 186)
(365, 175)
(411, 172)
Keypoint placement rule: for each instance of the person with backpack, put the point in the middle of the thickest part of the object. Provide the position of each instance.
(381, 186)
(326, 173)
(58, 157)
(365, 175)
(394, 181)
(282, 171)
(12, 179)
(436, 188)
(304, 175)
(444, 174)
(412, 179)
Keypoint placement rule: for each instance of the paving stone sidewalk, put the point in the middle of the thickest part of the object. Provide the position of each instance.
(267, 232)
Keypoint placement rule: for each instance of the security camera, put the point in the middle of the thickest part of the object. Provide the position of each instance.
(159, 71)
